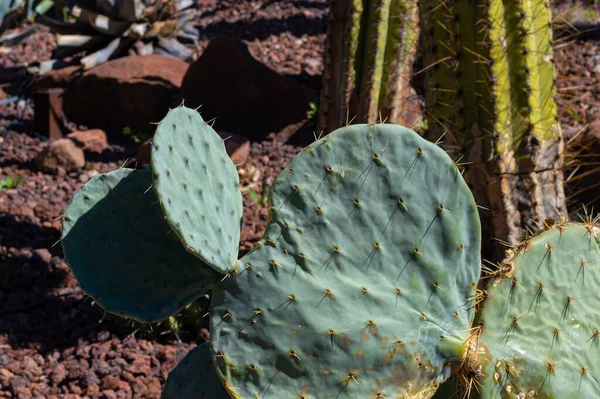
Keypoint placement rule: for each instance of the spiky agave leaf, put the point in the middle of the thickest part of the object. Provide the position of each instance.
(124, 27)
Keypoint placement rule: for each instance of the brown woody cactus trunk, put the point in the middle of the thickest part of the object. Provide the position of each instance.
(368, 65)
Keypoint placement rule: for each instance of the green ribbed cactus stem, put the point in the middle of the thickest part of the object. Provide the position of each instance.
(368, 65)
(490, 86)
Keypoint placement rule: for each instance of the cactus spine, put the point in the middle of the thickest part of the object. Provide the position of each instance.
(363, 285)
(489, 85)
(368, 64)
(359, 287)
(543, 297)
(356, 289)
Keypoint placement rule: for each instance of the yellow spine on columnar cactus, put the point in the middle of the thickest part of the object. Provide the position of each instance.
(490, 86)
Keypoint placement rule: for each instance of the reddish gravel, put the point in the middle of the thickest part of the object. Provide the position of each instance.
(54, 343)
(45, 319)
(35, 48)
(578, 84)
(578, 65)
(269, 157)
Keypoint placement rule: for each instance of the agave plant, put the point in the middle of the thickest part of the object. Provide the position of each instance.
(8, 7)
(13, 11)
(98, 30)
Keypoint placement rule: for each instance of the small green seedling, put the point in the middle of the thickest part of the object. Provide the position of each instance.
(136, 137)
(264, 196)
(312, 114)
(574, 114)
(10, 182)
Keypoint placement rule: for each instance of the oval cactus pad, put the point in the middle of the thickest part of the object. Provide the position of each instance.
(198, 187)
(116, 241)
(194, 377)
(362, 286)
(541, 327)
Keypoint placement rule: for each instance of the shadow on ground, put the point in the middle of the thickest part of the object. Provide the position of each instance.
(42, 305)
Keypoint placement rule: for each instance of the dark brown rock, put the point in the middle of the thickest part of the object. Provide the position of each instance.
(585, 181)
(93, 140)
(126, 92)
(31, 366)
(91, 379)
(43, 254)
(60, 154)
(140, 366)
(101, 367)
(5, 377)
(93, 390)
(244, 95)
(59, 78)
(109, 394)
(77, 368)
(144, 153)
(103, 336)
(238, 147)
(115, 383)
(16, 382)
(75, 388)
(23, 392)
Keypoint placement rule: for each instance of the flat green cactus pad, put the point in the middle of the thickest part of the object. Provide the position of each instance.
(198, 187)
(195, 378)
(117, 243)
(541, 336)
(362, 286)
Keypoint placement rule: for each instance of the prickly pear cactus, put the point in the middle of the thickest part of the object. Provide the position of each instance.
(116, 241)
(363, 281)
(540, 328)
(198, 187)
(371, 48)
(195, 378)
(490, 87)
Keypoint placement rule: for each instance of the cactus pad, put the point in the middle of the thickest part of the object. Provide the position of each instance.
(361, 286)
(541, 328)
(198, 187)
(194, 378)
(115, 240)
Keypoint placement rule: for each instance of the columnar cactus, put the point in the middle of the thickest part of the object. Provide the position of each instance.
(360, 286)
(371, 48)
(490, 85)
